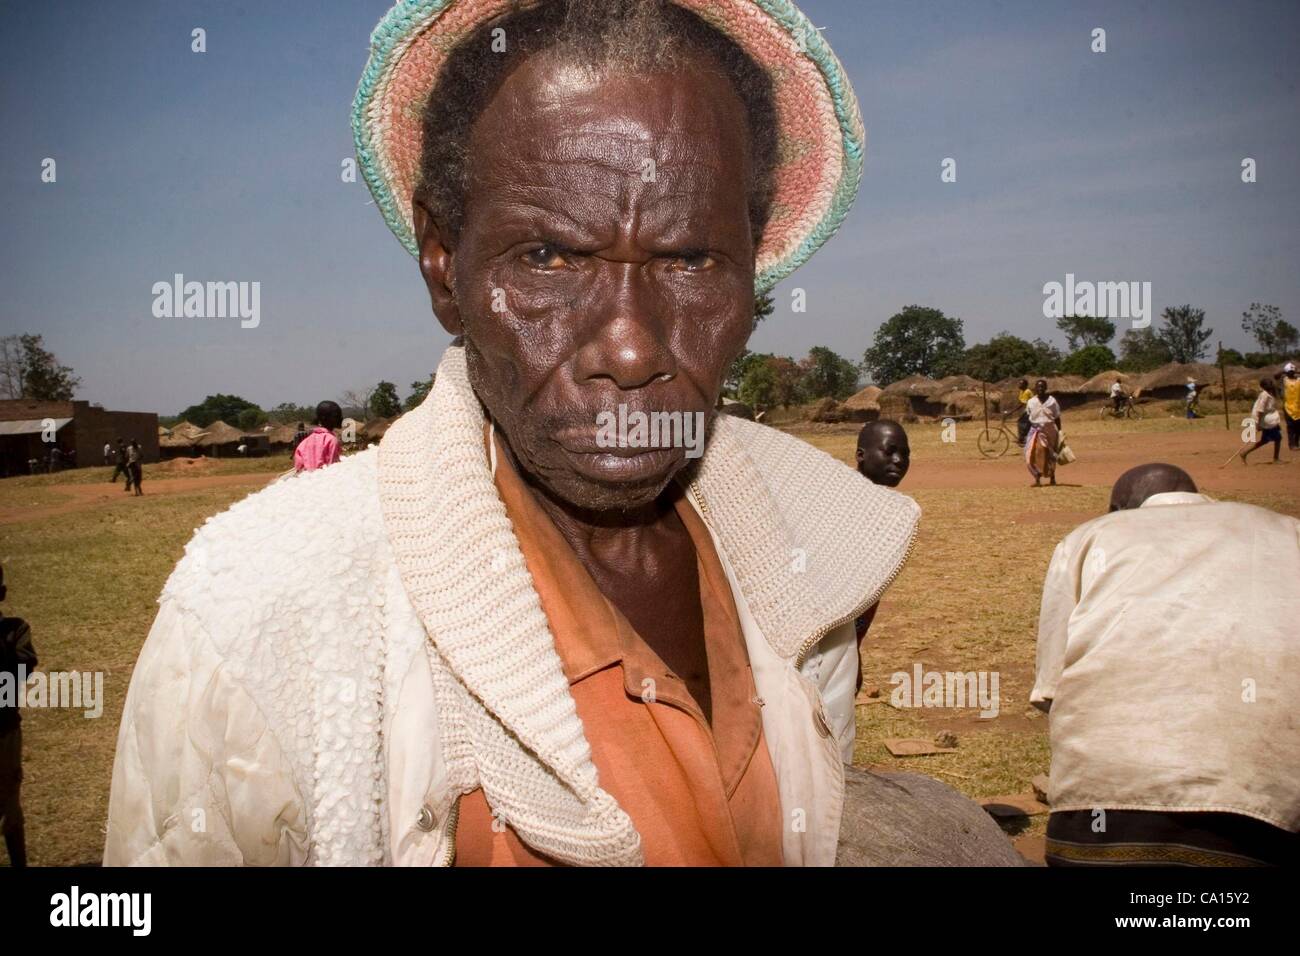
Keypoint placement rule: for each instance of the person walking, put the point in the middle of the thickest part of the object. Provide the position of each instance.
(108, 453)
(1268, 422)
(1043, 441)
(119, 461)
(1290, 395)
(135, 466)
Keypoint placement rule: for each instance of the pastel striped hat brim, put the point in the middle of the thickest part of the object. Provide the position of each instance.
(820, 134)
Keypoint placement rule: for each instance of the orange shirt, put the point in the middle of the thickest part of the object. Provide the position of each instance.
(699, 795)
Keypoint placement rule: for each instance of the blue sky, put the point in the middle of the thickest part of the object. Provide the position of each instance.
(225, 166)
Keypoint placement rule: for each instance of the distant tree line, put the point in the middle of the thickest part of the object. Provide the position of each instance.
(925, 341)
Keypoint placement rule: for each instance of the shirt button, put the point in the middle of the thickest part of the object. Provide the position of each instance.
(425, 820)
(819, 721)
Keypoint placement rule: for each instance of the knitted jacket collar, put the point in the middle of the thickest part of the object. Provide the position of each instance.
(811, 542)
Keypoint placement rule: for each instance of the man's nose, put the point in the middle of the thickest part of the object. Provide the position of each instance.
(630, 347)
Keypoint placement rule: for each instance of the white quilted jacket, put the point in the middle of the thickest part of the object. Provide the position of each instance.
(339, 657)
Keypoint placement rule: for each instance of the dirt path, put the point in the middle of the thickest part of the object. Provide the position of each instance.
(1101, 459)
(103, 494)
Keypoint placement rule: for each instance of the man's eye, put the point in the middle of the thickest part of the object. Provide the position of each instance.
(544, 257)
(691, 262)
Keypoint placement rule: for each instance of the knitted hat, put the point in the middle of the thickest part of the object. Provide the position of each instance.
(820, 134)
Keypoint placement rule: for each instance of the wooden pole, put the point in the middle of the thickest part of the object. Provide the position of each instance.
(1223, 378)
(984, 391)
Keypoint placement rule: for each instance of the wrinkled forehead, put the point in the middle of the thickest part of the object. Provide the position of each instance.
(556, 117)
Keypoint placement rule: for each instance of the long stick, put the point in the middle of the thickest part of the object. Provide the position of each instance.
(1234, 455)
(1223, 377)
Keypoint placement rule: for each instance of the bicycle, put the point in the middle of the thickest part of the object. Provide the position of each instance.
(1129, 409)
(993, 442)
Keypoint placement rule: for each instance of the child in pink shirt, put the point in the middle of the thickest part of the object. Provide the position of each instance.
(320, 448)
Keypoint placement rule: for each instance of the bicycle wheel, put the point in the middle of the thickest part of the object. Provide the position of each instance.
(1134, 411)
(993, 443)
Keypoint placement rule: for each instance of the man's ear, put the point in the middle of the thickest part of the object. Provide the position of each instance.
(436, 266)
(860, 455)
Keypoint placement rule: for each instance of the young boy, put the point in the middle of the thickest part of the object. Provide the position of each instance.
(883, 452)
(16, 651)
(321, 447)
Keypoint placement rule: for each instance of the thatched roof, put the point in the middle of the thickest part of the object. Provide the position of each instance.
(219, 433)
(281, 434)
(963, 383)
(176, 440)
(1100, 383)
(826, 410)
(1178, 374)
(916, 384)
(186, 430)
(868, 398)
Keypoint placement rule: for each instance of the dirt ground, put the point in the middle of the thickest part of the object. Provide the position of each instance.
(85, 563)
(106, 495)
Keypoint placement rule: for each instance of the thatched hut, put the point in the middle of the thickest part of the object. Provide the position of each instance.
(729, 406)
(864, 406)
(915, 384)
(826, 410)
(1170, 381)
(1100, 383)
(280, 437)
(220, 440)
(178, 443)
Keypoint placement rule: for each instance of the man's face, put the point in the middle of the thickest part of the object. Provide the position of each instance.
(884, 455)
(1041, 389)
(606, 259)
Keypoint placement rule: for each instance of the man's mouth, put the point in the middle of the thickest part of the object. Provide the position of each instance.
(614, 464)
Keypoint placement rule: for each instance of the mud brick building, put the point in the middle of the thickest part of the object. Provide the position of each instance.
(75, 426)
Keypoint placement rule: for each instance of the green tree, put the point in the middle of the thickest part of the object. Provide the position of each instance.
(826, 374)
(1009, 356)
(227, 408)
(763, 306)
(1229, 357)
(757, 385)
(1286, 338)
(27, 370)
(250, 419)
(917, 339)
(1084, 330)
(384, 402)
(1184, 333)
(1141, 350)
(287, 413)
(419, 392)
(1261, 321)
(1088, 361)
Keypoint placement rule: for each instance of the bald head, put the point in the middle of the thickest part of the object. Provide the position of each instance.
(1138, 484)
(883, 452)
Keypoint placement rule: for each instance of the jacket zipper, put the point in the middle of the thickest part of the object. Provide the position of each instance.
(811, 642)
(453, 820)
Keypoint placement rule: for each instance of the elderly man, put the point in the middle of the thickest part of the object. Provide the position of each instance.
(514, 642)
(1168, 660)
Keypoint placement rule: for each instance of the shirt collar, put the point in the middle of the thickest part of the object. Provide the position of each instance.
(1177, 498)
